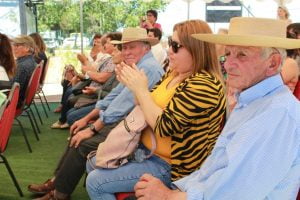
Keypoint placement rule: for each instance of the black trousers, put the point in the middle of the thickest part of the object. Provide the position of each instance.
(72, 164)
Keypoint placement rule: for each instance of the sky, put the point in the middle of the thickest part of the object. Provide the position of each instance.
(176, 12)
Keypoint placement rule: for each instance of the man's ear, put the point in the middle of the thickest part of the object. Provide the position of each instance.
(274, 64)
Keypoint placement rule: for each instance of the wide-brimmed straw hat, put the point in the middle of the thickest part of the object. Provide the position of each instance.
(257, 32)
(135, 35)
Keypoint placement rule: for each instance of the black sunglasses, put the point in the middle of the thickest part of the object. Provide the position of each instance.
(174, 45)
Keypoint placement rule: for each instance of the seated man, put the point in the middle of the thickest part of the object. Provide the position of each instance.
(108, 113)
(23, 48)
(257, 155)
(80, 110)
(159, 52)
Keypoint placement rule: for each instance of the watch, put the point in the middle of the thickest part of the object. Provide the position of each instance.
(92, 128)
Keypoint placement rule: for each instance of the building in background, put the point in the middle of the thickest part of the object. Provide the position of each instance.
(18, 16)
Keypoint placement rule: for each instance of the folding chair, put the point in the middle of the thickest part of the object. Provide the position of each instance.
(123, 195)
(40, 88)
(6, 121)
(25, 109)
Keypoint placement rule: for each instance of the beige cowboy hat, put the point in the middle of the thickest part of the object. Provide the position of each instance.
(257, 32)
(135, 35)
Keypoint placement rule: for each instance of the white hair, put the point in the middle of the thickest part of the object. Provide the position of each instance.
(267, 51)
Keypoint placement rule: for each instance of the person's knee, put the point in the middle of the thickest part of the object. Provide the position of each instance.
(93, 181)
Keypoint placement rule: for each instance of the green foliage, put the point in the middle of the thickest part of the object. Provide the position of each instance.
(98, 16)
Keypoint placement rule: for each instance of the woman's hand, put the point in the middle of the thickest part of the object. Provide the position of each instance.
(89, 90)
(132, 77)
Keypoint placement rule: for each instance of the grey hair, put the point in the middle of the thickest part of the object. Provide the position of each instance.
(267, 51)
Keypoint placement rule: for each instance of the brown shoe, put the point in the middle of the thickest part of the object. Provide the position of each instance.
(50, 196)
(43, 188)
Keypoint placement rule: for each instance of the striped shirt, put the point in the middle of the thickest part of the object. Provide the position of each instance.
(193, 119)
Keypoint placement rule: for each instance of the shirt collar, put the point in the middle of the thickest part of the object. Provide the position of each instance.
(259, 90)
(145, 57)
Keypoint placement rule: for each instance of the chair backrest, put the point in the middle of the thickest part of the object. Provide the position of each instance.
(44, 71)
(8, 115)
(33, 84)
(297, 90)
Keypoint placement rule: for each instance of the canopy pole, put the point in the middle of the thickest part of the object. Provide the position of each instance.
(81, 25)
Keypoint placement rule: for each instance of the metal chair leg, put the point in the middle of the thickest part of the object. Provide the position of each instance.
(45, 99)
(34, 120)
(41, 100)
(33, 126)
(24, 135)
(4, 160)
(37, 111)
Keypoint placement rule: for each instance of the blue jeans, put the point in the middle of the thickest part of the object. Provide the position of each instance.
(76, 114)
(103, 183)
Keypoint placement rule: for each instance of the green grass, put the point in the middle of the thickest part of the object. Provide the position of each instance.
(38, 166)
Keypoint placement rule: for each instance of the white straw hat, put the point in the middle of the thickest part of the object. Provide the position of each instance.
(258, 32)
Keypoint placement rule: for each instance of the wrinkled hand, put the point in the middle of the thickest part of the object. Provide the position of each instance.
(89, 90)
(152, 188)
(132, 77)
(80, 136)
(77, 126)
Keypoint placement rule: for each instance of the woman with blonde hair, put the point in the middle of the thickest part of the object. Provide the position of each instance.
(185, 111)
(283, 14)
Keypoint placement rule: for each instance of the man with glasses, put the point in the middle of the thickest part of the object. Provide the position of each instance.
(149, 21)
(23, 48)
(108, 112)
(257, 155)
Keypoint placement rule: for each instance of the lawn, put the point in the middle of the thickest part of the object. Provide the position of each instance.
(38, 166)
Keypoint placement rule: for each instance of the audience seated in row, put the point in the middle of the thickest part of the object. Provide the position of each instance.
(105, 69)
(257, 155)
(108, 113)
(185, 110)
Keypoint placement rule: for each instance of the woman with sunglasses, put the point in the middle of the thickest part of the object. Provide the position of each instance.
(185, 110)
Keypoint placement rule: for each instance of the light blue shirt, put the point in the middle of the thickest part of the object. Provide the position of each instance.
(120, 101)
(257, 155)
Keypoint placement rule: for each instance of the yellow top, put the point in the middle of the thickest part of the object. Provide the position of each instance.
(162, 96)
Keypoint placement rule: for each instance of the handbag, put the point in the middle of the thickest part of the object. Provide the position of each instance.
(78, 87)
(122, 141)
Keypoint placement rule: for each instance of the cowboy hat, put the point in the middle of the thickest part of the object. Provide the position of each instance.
(257, 32)
(135, 35)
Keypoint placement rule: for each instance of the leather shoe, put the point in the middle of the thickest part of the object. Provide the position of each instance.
(50, 196)
(43, 188)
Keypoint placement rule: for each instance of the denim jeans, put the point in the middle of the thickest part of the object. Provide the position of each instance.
(103, 183)
(76, 114)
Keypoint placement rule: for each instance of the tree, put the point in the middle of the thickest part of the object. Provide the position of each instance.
(98, 16)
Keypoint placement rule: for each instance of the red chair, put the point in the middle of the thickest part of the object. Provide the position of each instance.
(297, 90)
(6, 122)
(25, 110)
(40, 89)
(123, 195)
(298, 197)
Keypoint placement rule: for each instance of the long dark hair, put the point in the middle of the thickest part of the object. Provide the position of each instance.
(7, 59)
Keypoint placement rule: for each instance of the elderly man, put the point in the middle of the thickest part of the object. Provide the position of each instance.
(107, 113)
(23, 48)
(257, 155)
